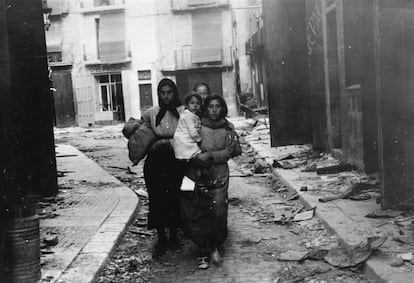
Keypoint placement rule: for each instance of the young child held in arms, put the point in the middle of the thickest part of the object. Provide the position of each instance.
(187, 137)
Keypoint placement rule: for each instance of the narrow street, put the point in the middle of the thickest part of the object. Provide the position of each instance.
(254, 244)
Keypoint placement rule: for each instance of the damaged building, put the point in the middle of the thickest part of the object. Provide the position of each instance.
(339, 77)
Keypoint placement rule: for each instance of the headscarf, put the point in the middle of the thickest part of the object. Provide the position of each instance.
(172, 107)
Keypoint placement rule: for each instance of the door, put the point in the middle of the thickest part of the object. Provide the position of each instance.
(84, 100)
(186, 82)
(63, 99)
(145, 96)
(394, 32)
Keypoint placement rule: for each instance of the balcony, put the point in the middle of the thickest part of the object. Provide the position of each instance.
(187, 58)
(96, 6)
(189, 5)
(255, 43)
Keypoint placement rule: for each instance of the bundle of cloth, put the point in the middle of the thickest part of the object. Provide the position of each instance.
(140, 138)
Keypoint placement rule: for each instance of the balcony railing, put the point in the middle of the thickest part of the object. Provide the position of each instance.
(255, 42)
(188, 58)
(184, 5)
(90, 6)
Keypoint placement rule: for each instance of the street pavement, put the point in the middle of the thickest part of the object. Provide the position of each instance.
(346, 218)
(253, 246)
(90, 214)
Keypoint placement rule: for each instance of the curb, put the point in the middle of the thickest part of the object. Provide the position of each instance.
(376, 268)
(93, 256)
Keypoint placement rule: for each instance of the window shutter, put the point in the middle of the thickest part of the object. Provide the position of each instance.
(207, 37)
(112, 37)
(54, 37)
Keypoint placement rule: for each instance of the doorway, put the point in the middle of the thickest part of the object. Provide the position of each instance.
(334, 87)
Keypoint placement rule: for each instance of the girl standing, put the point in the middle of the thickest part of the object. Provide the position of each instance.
(204, 214)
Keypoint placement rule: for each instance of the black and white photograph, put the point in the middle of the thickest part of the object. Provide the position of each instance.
(222, 141)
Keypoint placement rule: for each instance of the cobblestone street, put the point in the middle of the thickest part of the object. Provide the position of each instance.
(254, 243)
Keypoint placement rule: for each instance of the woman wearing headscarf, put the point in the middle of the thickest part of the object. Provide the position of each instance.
(162, 172)
(204, 210)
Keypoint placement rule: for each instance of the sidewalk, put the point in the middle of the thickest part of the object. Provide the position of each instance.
(344, 217)
(88, 216)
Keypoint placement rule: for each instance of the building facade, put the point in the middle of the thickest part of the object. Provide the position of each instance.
(339, 77)
(107, 56)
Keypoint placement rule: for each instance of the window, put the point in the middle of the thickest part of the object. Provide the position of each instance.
(110, 36)
(54, 41)
(110, 90)
(207, 37)
(144, 75)
(98, 3)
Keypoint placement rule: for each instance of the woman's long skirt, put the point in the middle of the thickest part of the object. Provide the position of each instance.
(204, 216)
(163, 178)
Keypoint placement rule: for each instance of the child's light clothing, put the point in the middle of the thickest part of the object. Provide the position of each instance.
(187, 135)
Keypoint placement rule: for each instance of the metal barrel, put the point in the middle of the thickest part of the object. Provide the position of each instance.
(22, 245)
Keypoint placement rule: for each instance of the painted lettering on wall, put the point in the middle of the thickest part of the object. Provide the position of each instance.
(313, 26)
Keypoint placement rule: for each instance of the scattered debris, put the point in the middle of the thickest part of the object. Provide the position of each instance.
(341, 257)
(288, 165)
(404, 240)
(397, 262)
(293, 256)
(137, 231)
(353, 190)
(334, 169)
(276, 164)
(383, 214)
(129, 171)
(260, 166)
(285, 157)
(306, 215)
(317, 254)
(406, 256)
(292, 196)
(141, 192)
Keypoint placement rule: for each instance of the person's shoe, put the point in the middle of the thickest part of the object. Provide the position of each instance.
(159, 249)
(216, 257)
(203, 263)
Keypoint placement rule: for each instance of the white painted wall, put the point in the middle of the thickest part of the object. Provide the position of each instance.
(152, 32)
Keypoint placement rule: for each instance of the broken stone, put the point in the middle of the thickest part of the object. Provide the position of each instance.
(334, 169)
(260, 166)
(285, 157)
(304, 215)
(397, 262)
(141, 192)
(342, 257)
(276, 164)
(404, 240)
(292, 196)
(383, 214)
(293, 256)
(406, 256)
(288, 165)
